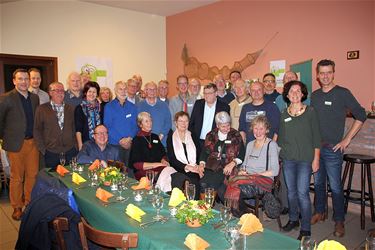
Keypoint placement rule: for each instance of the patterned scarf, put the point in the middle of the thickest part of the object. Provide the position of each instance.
(59, 109)
(92, 112)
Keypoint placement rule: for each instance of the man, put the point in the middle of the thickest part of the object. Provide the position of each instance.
(331, 103)
(35, 80)
(202, 118)
(269, 81)
(163, 89)
(159, 111)
(242, 97)
(99, 148)
(279, 101)
(73, 95)
(195, 88)
(222, 94)
(182, 101)
(138, 79)
(234, 76)
(17, 109)
(54, 129)
(259, 106)
(120, 119)
(132, 90)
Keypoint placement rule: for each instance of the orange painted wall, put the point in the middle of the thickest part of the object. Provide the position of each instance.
(224, 32)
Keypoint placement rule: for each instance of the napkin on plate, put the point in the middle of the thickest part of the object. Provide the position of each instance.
(134, 212)
(77, 179)
(61, 170)
(143, 184)
(103, 195)
(95, 165)
(250, 224)
(194, 242)
(330, 244)
(177, 197)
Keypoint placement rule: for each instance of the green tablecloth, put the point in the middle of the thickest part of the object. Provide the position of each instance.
(170, 235)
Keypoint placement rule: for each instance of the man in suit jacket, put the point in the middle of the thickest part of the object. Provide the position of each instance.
(202, 118)
(17, 109)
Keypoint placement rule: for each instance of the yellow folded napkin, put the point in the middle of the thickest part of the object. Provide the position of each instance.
(95, 165)
(250, 224)
(103, 195)
(194, 242)
(134, 212)
(143, 184)
(330, 244)
(177, 197)
(61, 170)
(77, 179)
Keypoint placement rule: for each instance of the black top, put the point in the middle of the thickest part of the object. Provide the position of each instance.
(272, 97)
(28, 109)
(81, 123)
(227, 98)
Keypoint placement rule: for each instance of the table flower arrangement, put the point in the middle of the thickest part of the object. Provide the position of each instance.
(109, 175)
(194, 213)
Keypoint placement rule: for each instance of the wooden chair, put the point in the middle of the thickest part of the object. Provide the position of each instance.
(106, 239)
(60, 224)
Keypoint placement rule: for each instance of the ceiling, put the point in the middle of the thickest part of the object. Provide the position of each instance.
(161, 8)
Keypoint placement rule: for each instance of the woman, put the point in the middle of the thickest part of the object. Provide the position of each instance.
(261, 165)
(147, 152)
(223, 151)
(105, 95)
(299, 139)
(89, 114)
(182, 153)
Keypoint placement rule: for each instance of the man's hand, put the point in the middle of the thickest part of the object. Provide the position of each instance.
(126, 142)
(342, 145)
(315, 165)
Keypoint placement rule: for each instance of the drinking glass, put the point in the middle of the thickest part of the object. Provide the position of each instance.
(125, 180)
(120, 187)
(225, 216)
(62, 158)
(156, 190)
(157, 203)
(150, 176)
(209, 196)
(307, 243)
(190, 192)
(232, 234)
(93, 175)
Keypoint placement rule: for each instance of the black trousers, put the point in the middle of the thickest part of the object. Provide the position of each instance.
(53, 159)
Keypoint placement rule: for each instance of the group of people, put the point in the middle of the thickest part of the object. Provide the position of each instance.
(231, 140)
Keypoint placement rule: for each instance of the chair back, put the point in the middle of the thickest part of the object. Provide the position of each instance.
(60, 224)
(106, 239)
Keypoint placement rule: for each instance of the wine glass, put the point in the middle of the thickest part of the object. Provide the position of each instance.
(190, 191)
(232, 234)
(150, 176)
(209, 196)
(307, 243)
(225, 216)
(121, 186)
(62, 159)
(156, 190)
(157, 202)
(125, 179)
(93, 176)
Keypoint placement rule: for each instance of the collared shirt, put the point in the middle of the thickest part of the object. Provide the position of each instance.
(90, 152)
(71, 99)
(28, 109)
(59, 109)
(43, 96)
(176, 104)
(208, 118)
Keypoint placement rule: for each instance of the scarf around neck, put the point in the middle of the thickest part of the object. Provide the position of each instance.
(179, 149)
(92, 113)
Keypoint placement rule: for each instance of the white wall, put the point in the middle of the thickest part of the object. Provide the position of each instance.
(136, 42)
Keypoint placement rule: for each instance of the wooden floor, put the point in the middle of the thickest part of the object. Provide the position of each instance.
(354, 237)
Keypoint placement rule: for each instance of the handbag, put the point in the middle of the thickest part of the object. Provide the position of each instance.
(213, 163)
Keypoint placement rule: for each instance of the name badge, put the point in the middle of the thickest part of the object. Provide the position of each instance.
(261, 112)
(190, 105)
(288, 119)
(154, 141)
(327, 103)
(227, 141)
(128, 115)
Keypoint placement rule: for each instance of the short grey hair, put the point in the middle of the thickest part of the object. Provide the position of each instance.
(142, 116)
(222, 117)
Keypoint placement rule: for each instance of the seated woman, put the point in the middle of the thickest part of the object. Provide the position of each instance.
(147, 152)
(223, 151)
(182, 154)
(260, 166)
(88, 114)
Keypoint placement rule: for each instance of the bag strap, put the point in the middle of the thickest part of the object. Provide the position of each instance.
(267, 157)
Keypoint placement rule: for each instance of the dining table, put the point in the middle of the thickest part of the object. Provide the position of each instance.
(111, 217)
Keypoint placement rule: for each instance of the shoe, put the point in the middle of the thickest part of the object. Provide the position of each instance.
(317, 217)
(303, 233)
(285, 211)
(17, 213)
(339, 229)
(290, 225)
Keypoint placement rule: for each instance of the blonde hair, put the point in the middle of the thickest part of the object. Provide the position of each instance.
(260, 119)
(141, 116)
(102, 89)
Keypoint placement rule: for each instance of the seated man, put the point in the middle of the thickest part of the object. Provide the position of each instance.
(98, 149)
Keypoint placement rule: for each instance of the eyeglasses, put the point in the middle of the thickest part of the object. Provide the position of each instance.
(101, 133)
(269, 81)
(209, 93)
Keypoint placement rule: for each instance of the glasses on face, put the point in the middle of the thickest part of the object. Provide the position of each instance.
(208, 93)
(268, 81)
(101, 133)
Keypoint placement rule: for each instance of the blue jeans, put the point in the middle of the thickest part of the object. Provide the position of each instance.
(331, 166)
(297, 176)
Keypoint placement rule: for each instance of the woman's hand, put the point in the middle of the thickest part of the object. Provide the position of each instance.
(315, 165)
(201, 170)
(193, 169)
(229, 167)
(242, 172)
(164, 163)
